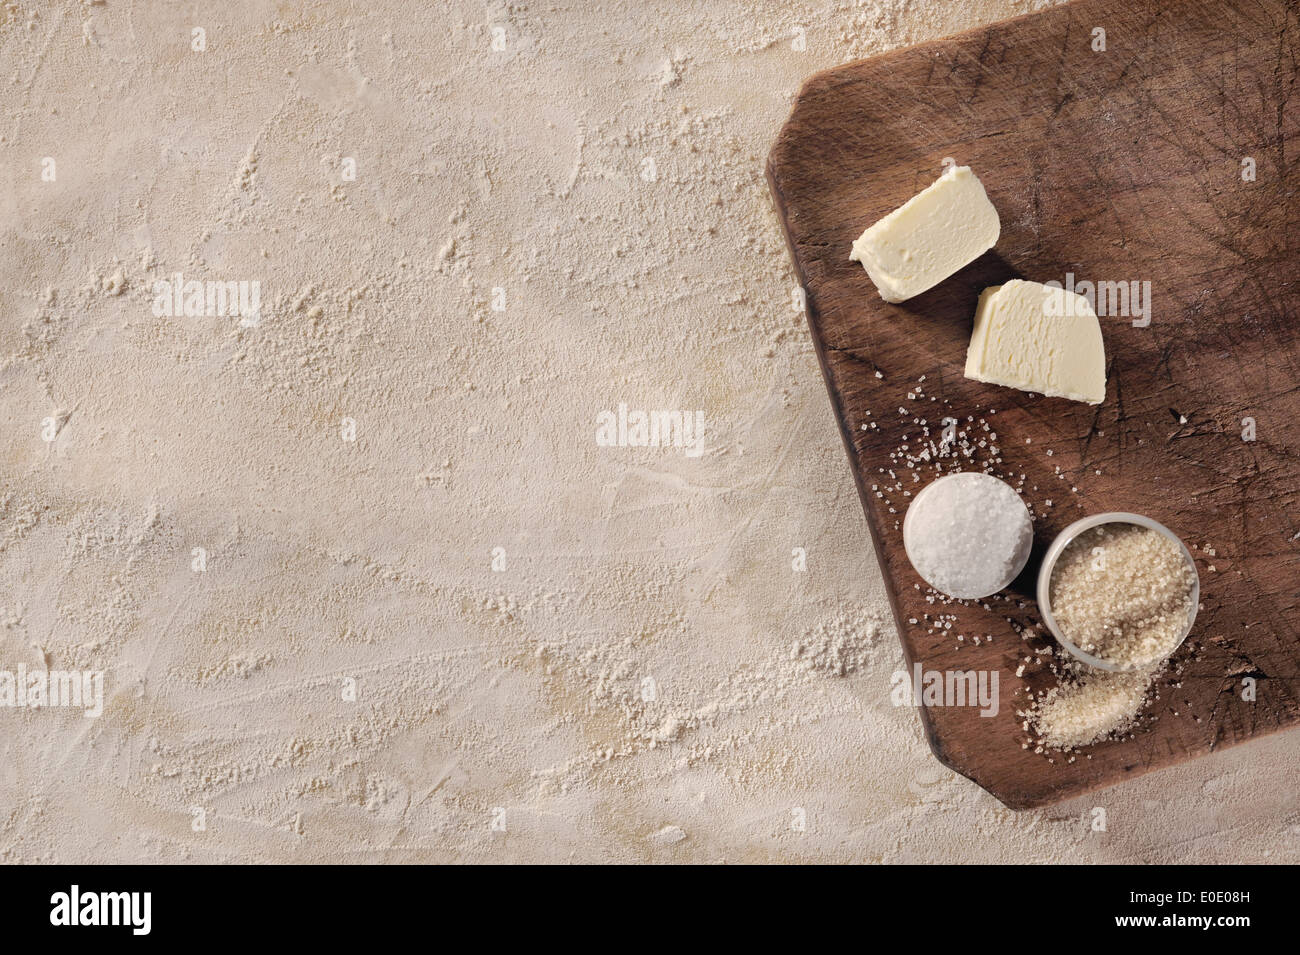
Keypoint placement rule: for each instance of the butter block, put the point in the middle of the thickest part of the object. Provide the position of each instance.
(1039, 338)
(941, 229)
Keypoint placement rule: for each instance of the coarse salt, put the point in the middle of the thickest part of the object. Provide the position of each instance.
(968, 535)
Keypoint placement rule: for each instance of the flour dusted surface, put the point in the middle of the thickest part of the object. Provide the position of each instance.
(521, 689)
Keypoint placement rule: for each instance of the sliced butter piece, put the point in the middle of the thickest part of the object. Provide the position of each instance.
(1038, 338)
(944, 227)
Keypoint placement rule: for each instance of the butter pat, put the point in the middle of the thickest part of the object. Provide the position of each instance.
(938, 231)
(1039, 338)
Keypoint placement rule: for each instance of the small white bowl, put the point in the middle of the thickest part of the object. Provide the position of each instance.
(1063, 540)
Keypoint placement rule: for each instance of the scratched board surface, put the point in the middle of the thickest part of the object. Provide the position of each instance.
(1169, 157)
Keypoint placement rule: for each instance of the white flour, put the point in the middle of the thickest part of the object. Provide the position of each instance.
(534, 234)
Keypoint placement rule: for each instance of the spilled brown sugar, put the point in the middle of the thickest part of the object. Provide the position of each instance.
(1099, 704)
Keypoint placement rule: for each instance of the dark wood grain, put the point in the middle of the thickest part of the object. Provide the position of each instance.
(1115, 165)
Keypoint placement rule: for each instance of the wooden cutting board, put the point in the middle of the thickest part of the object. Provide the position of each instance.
(1117, 164)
